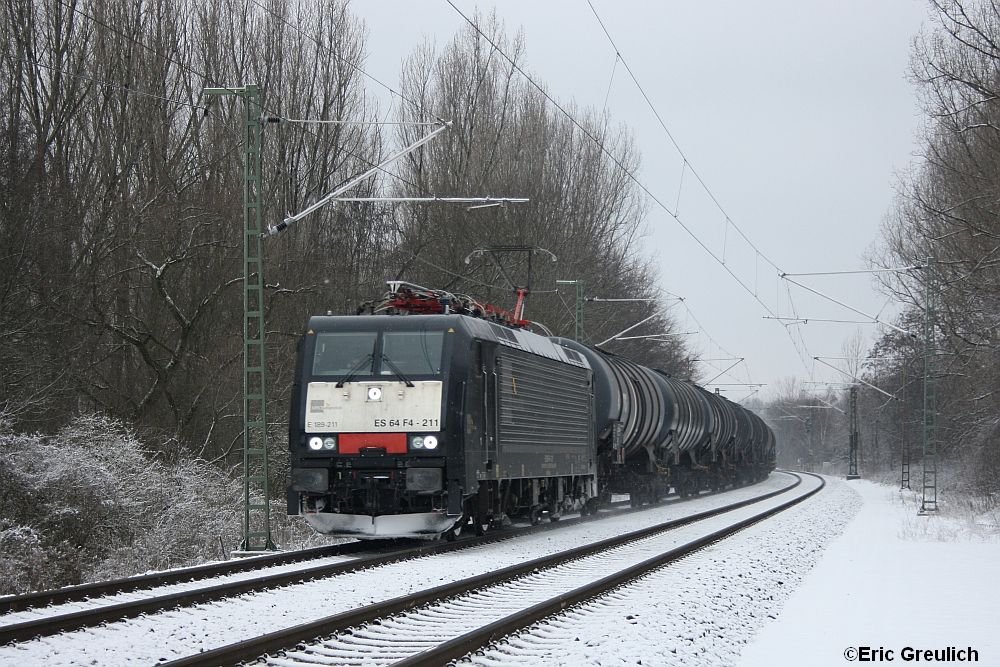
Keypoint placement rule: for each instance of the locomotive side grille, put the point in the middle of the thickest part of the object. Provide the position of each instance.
(543, 403)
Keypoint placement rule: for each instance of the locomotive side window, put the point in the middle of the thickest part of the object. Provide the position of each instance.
(413, 352)
(342, 353)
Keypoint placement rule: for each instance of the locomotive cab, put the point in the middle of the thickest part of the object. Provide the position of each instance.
(409, 426)
(368, 433)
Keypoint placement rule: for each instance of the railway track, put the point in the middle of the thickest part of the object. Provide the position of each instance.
(101, 610)
(54, 611)
(13, 603)
(67, 594)
(433, 626)
(361, 583)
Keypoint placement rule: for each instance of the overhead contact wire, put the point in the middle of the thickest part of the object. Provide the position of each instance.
(419, 107)
(673, 140)
(613, 158)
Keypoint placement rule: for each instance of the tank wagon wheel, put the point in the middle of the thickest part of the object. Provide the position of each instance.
(480, 523)
(452, 533)
(660, 491)
(536, 515)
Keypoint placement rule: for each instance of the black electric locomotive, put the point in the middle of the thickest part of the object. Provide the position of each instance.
(413, 426)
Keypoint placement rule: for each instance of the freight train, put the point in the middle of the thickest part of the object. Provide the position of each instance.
(434, 413)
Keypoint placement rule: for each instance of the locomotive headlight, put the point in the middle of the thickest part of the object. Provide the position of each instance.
(374, 393)
(329, 443)
(417, 442)
(315, 443)
(430, 441)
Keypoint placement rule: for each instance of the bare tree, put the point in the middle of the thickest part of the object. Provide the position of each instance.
(120, 225)
(947, 213)
(507, 139)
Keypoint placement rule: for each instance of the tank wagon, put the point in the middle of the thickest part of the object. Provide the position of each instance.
(419, 425)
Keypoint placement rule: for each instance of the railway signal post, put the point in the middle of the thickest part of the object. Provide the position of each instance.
(578, 312)
(852, 464)
(930, 455)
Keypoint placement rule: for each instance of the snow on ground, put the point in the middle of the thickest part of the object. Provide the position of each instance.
(172, 634)
(853, 567)
(893, 580)
(699, 612)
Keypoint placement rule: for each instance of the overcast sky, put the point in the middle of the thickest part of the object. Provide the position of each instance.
(798, 115)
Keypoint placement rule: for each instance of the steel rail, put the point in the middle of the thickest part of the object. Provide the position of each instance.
(66, 622)
(477, 639)
(281, 640)
(155, 579)
(81, 592)
(41, 627)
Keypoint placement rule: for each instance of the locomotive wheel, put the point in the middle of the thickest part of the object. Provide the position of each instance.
(481, 524)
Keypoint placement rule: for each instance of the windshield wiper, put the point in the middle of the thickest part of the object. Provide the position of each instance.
(354, 371)
(395, 369)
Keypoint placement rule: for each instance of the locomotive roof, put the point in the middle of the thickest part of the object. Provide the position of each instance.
(474, 327)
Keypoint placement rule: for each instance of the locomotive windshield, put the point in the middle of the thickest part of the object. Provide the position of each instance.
(413, 352)
(343, 353)
(361, 353)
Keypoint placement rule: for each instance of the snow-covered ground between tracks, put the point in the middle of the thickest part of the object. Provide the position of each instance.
(854, 567)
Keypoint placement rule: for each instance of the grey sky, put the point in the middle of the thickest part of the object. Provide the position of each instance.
(796, 114)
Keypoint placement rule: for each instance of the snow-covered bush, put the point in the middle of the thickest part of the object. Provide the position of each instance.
(24, 563)
(92, 502)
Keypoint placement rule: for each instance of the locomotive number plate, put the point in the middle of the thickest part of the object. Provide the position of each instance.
(353, 408)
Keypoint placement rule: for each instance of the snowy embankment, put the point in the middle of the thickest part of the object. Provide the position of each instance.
(701, 611)
(850, 568)
(894, 580)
